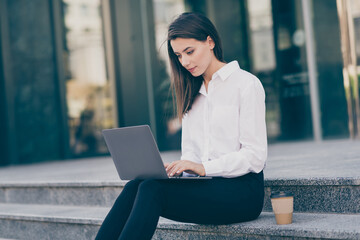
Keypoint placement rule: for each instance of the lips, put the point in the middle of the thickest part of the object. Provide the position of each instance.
(191, 69)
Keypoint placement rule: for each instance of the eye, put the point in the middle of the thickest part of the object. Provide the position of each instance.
(178, 56)
(190, 52)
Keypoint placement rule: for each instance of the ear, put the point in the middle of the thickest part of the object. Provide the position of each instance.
(211, 42)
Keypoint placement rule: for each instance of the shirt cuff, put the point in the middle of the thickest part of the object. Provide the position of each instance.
(212, 169)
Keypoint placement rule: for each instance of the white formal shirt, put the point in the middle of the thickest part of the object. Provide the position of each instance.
(225, 129)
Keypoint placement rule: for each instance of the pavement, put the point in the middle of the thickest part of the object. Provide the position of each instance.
(292, 160)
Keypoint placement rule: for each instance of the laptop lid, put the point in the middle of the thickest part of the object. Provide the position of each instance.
(135, 153)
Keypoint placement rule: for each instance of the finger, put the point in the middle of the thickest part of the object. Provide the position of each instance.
(176, 171)
(166, 165)
(178, 174)
(176, 168)
(180, 167)
(171, 165)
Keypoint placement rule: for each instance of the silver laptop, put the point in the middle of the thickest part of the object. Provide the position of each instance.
(136, 155)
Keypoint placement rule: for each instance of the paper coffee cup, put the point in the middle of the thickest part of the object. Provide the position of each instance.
(282, 204)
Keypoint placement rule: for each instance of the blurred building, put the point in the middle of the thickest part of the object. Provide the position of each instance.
(70, 68)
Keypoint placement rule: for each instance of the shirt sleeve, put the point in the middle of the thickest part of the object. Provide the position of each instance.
(187, 146)
(187, 151)
(252, 136)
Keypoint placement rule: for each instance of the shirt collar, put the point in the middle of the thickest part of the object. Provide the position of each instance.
(203, 89)
(223, 73)
(226, 70)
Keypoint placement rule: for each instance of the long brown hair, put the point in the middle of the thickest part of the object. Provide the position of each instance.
(185, 86)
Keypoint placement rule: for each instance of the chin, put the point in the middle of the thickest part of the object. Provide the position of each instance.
(196, 74)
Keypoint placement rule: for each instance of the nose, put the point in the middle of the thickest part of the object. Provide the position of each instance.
(185, 61)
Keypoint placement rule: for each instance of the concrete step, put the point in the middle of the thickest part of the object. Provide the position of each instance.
(318, 195)
(335, 195)
(20, 221)
(26, 221)
(71, 193)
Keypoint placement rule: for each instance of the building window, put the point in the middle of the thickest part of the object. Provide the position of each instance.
(263, 59)
(165, 12)
(89, 102)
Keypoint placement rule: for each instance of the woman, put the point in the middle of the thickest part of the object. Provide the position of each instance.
(222, 110)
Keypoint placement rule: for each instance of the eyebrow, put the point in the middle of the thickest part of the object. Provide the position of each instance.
(184, 49)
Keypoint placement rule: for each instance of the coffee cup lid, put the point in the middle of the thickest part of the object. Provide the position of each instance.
(281, 194)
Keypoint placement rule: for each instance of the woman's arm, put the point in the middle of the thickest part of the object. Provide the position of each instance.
(253, 153)
(188, 151)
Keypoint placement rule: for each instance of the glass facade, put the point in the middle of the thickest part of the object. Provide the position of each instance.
(96, 64)
(263, 60)
(275, 53)
(266, 37)
(164, 12)
(88, 97)
(355, 19)
(348, 17)
(291, 72)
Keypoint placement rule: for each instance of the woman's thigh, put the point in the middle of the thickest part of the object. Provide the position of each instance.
(214, 201)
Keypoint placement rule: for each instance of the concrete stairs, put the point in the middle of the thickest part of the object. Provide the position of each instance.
(69, 199)
(324, 208)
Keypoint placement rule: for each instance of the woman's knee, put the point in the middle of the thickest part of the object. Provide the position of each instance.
(131, 187)
(132, 184)
(149, 186)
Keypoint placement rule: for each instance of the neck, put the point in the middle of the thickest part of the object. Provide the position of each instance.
(214, 67)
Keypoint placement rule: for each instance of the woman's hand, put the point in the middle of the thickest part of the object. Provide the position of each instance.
(177, 167)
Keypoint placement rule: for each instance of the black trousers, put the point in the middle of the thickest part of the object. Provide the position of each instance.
(136, 211)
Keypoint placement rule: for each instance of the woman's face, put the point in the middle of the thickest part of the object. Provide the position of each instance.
(194, 55)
